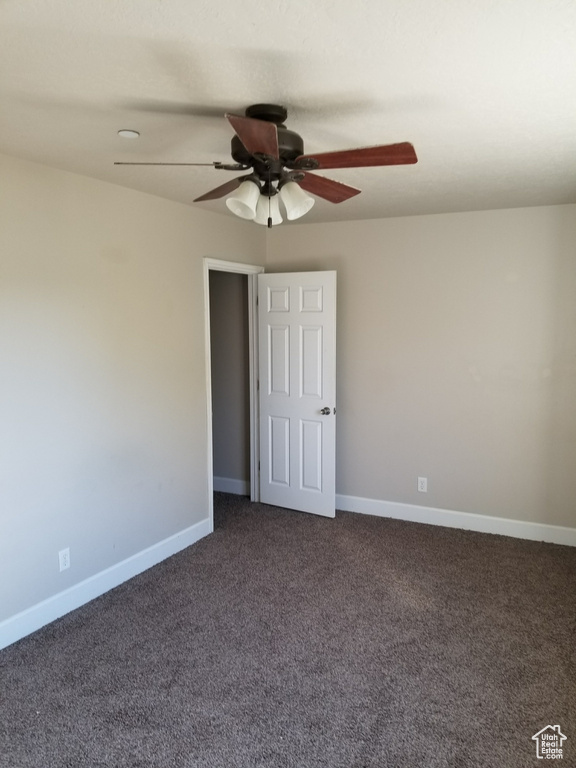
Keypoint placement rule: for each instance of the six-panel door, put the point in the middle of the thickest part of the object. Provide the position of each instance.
(297, 352)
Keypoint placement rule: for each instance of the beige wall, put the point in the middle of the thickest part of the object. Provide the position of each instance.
(102, 385)
(230, 376)
(456, 357)
(457, 361)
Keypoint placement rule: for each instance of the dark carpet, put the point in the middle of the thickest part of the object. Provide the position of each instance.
(287, 640)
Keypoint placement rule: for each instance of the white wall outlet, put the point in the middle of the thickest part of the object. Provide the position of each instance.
(64, 558)
(423, 484)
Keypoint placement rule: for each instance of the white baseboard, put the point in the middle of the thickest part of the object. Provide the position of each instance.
(37, 616)
(229, 485)
(22, 624)
(519, 529)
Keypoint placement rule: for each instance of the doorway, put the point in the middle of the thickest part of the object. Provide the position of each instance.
(229, 363)
(292, 349)
(240, 455)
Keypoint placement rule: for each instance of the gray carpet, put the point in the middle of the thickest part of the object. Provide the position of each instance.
(287, 640)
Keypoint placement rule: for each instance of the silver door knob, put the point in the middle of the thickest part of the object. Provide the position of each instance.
(325, 411)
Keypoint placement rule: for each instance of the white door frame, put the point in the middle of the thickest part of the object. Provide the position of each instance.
(251, 270)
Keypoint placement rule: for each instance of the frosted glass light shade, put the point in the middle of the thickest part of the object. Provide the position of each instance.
(295, 200)
(262, 210)
(243, 202)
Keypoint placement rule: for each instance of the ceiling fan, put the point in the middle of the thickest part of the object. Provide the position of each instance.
(278, 167)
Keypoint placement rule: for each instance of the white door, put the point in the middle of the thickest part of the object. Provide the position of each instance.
(297, 353)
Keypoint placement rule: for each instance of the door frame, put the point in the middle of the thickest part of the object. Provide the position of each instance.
(251, 271)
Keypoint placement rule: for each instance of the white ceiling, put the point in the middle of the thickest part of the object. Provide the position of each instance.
(484, 89)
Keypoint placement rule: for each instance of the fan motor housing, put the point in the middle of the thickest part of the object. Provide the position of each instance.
(290, 146)
(272, 113)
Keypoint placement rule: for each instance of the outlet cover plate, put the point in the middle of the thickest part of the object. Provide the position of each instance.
(64, 558)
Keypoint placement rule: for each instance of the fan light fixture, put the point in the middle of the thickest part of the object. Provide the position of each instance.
(252, 202)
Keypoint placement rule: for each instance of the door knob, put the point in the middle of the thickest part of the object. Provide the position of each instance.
(325, 411)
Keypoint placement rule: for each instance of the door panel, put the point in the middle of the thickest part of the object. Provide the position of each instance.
(279, 450)
(297, 332)
(279, 360)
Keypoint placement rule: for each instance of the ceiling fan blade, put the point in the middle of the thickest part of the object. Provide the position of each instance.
(333, 191)
(222, 190)
(260, 137)
(388, 154)
(206, 164)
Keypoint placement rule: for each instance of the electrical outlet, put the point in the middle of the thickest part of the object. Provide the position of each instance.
(423, 484)
(64, 558)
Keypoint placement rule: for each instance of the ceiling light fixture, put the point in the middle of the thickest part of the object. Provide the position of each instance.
(128, 134)
(260, 204)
